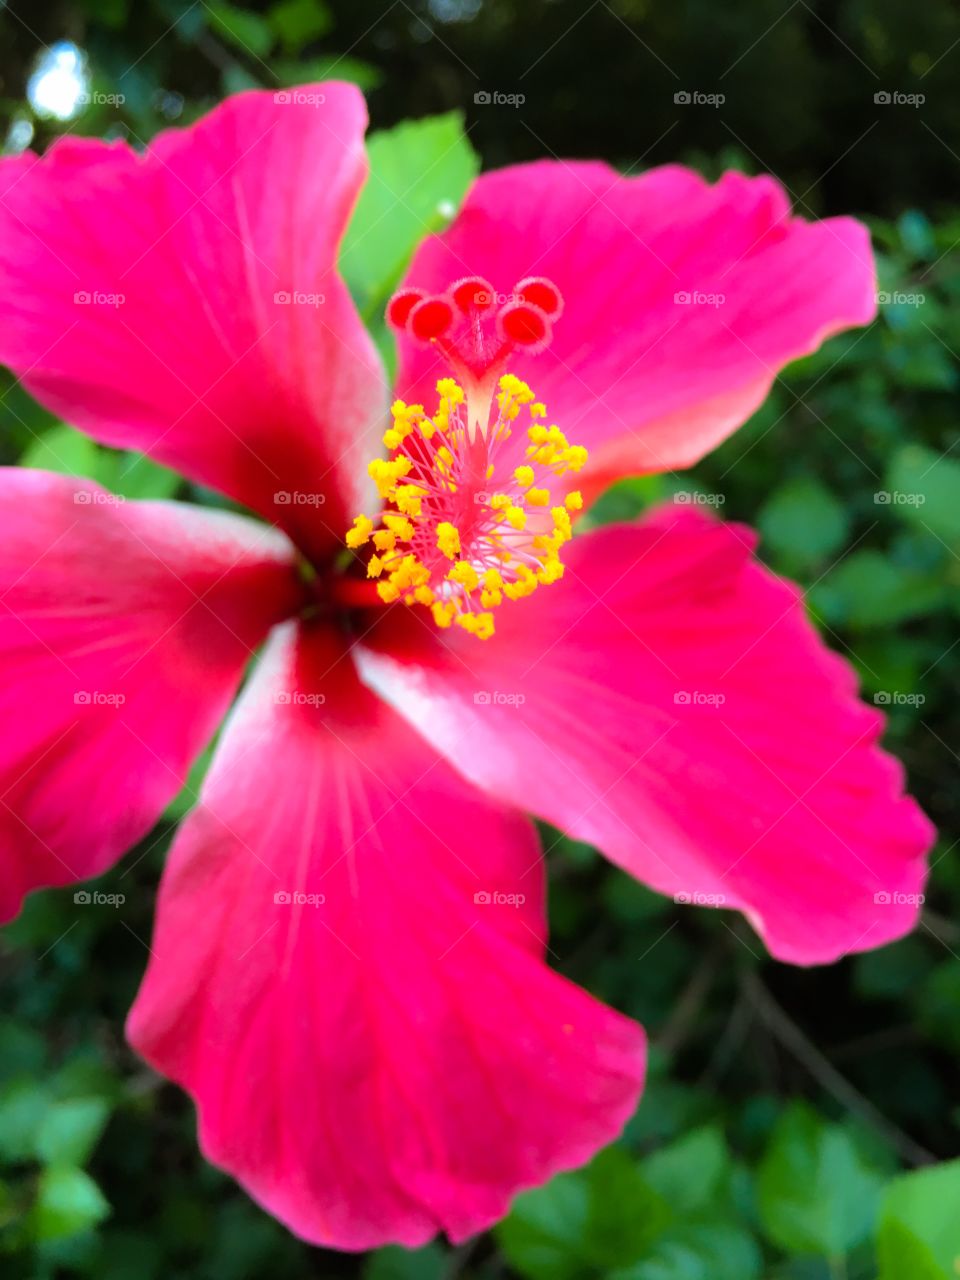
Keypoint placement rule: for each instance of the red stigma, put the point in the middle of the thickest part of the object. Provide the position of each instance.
(477, 328)
(430, 318)
(472, 292)
(525, 325)
(542, 293)
(400, 306)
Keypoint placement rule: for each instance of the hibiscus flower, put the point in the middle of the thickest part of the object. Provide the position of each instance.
(348, 968)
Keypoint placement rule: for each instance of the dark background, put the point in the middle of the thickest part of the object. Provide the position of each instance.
(792, 1099)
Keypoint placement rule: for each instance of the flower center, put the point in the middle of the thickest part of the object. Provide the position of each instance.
(469, 517)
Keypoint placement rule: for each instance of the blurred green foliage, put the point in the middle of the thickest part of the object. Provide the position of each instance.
(796, 1125)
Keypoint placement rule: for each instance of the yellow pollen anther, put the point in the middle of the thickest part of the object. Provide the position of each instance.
(448, 539)
(465, 575)
(464, 525)
(399, 525)
(361, 531)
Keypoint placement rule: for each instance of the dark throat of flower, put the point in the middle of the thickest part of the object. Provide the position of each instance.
(469, 516)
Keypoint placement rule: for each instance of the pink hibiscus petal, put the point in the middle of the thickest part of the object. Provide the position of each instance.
(670, 702)
(374, 1041)
(185, 302)
(647, 381)
(124, 632)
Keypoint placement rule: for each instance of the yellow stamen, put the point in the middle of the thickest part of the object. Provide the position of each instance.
(442, 543)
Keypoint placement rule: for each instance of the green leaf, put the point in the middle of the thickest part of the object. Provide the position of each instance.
(699, 1251)
(541, 1237)
(297, 22)
(924, 488)
(71, 1129)
(916, 234)
(689, 1172)
(419, 173)
(814, 1192)
(870, 590)
(394, 1263)
(246, 31)
(803, 523)
(23, 1105)
(920, 1225)
(22, 1049)
(68, 1201)
(295, 71)
(64, 450)
(625, 500)
(601, 1217)
(134, 475)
